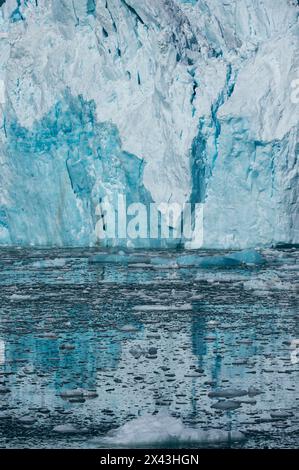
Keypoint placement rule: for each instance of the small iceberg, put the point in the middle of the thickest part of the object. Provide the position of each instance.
(249, 257)
(120, 258)
(246, 257)
(164, 429)
(226, 405)
(68, 429)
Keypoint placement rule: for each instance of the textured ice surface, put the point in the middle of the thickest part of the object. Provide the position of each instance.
(163, 100)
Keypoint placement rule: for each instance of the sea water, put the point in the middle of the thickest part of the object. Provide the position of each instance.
(147, 353)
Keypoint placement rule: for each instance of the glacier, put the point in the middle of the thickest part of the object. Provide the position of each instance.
(162, 100)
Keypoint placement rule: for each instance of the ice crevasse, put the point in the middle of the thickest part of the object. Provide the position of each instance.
(161, 100)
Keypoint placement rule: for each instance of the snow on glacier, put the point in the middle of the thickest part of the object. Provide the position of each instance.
(164, 100)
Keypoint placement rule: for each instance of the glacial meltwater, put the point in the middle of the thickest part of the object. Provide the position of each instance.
(151, 352)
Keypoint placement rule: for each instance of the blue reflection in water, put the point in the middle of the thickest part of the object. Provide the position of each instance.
(124, 341)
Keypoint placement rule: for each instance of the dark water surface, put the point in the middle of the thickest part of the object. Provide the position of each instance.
(136, 351)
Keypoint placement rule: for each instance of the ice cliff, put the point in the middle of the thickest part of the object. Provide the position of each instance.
(163, 100)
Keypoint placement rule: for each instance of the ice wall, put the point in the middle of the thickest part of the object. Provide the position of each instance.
(163, 100)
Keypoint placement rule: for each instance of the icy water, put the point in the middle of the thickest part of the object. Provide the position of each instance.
(109, 355)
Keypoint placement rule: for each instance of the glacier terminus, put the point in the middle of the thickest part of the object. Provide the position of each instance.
(160, 100)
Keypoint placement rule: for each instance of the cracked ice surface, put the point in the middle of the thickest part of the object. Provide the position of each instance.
(164, 100)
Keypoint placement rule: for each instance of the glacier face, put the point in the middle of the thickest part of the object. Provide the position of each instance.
(163, 100)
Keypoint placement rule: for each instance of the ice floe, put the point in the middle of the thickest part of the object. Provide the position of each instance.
(165, 429)
(50, 263)
(246, 257)
(166, 308)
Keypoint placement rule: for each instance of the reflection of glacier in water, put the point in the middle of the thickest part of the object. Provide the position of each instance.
(85, 361)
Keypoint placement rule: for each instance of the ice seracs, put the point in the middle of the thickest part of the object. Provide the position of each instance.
(161, 100)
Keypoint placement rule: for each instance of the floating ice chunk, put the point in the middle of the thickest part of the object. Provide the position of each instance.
(90, 394)
(212, 323)
(121, 258)
(67, 429)
(250, 257)
(50, 263)
(19, 297)
(2, 354)
(67, 347)
(206, 261)
(221, 276)
(164, 429)
(228, 393)
(260, 293)
(250, 401)
(226, 405)
(196, 297)
(268, 283)
(192, 260)
(252, 391)
(164, 262)
(49, 335)
(240, 362)
(257, 284)
(128, 329)
(108, 259)
(27, 420)
(189, 260)
(194, 375)
(139, 265)
(166, 308)
(78, 392)
(280, 414)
